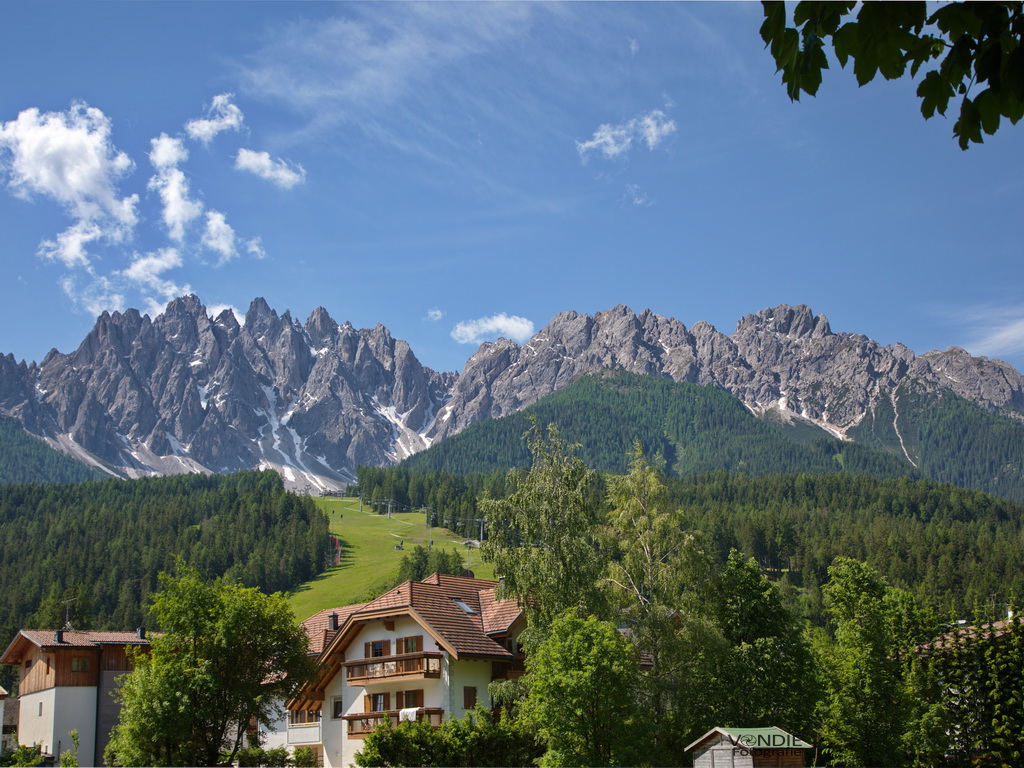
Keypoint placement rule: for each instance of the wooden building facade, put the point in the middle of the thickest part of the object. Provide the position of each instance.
(66, 681)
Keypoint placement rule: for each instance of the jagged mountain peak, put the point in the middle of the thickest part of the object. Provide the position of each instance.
(795, 322)
(182, 392)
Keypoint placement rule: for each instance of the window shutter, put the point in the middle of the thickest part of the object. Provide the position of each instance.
(400, 700)
(400, 645)
(367, 650)
(387, 647)
(469, 697)
(387, 701)
(418, 696)
(367, 704)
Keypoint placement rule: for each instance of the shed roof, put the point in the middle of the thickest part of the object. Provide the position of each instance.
(768, 737)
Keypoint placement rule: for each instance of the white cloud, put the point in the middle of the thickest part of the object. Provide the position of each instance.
(254, 248)
(637, 197)
(222, 116)
(634, 46)
(654, 127)
(610, 140)
(388, 70)
(97, 296)
(279, 172)
(69, 157)
(146, 271)
(510, 326)
(434, 314)
(219, 236)
(167, 152)
(996, 331)
(69, 246)
(614, 140)
(170, 182)
(216, 310)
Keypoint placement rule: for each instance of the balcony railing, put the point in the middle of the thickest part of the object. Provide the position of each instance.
(363, 723)
(308, 733)
(406, 665)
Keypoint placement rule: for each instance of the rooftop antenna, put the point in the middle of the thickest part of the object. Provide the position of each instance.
(67, 612)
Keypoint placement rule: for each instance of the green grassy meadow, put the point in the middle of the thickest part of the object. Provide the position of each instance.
(369, 560)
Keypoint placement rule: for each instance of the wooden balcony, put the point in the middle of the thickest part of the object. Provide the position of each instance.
(364, 723)
(408, 666)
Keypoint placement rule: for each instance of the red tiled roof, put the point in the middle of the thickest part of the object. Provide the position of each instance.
(70, 638)
(318, 626)
(498, 615)
(433, 601)
(77, 638)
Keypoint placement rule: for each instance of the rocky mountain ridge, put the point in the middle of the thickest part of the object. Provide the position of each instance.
(187, 392)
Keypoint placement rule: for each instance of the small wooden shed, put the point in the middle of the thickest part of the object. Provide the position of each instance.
(748, 748)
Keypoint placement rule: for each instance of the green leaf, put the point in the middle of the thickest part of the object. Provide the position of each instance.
(935, 94)
(774, 21)
(846, 41)
(987, 104)
(968, 126)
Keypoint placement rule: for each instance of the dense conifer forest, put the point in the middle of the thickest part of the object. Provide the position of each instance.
(954, 549)
(699, 429)
(100, 545)
(27, 459)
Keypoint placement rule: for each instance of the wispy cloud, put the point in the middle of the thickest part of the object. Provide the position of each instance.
(995, 331)
(434, 314)
(219, 236)
(221, 116)
(179, 209)
(636, 196)
(279, 172)
(69, 157)
(393, 72)
(510, 326)
(615, 140)
(146, 272)
(216, 310)
(96, 295)
(254, 247)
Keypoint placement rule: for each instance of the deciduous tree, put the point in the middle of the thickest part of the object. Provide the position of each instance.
(543, 539)
(582, 681)
(970, 51)
(865, 710)
(228, 656)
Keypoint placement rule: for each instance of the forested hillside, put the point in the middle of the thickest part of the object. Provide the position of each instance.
(952, 548)
(102, 544)
(25, 458)
(696, 429)
(699, 429)
(949, 439)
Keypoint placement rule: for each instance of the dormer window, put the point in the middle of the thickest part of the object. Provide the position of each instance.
(463, 605)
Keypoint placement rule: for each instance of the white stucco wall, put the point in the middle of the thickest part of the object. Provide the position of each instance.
(277, 736)
(463, 673)
(35, 725)
(339, 750)
(48, 716)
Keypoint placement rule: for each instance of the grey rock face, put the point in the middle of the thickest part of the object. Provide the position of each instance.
(187, 392)
(781, 359)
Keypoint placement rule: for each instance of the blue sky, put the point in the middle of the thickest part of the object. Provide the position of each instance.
(462, 171)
